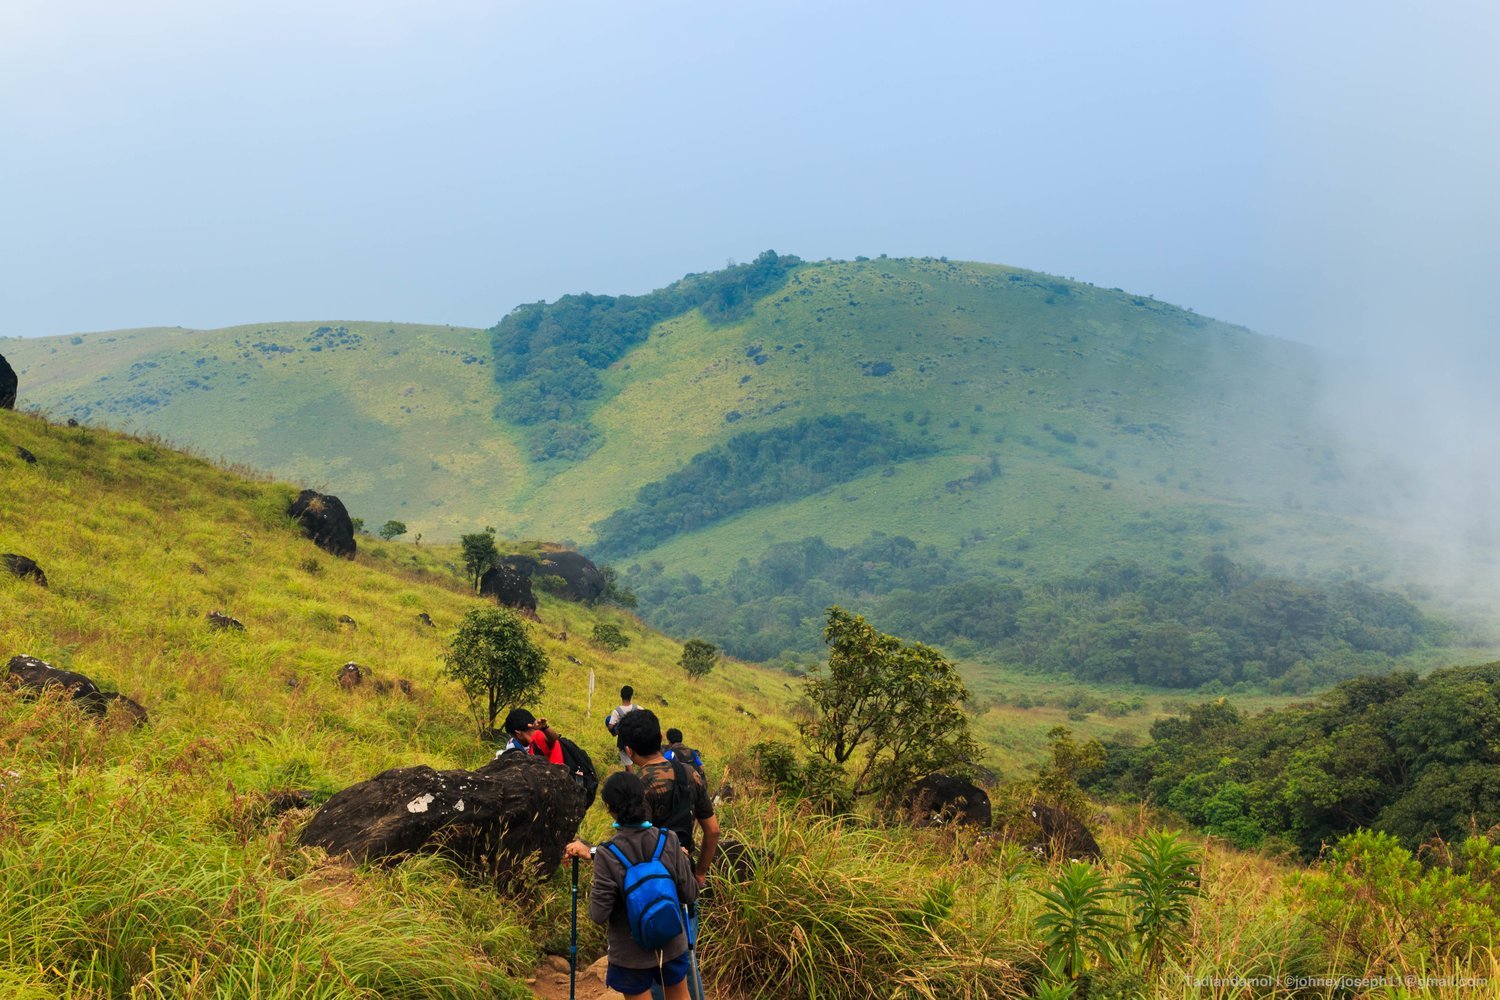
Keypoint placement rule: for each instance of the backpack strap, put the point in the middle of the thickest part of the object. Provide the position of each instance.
(619, 854)
(661, 842)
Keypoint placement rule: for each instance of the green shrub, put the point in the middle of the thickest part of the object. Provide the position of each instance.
(610, 637)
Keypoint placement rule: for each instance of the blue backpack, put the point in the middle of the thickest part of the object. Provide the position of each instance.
(651, 906)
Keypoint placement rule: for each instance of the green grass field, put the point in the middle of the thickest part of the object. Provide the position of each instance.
(143, 862)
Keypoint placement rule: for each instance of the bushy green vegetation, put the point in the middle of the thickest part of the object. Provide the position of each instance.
(493, 657)
(1412, 757)
(150, 861)
(1223, 626)
(548, 355)
(754, 469)
(884, 711)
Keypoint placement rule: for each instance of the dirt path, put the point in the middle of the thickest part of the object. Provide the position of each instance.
(550, 982)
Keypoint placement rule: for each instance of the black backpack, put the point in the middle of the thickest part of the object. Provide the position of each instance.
(581, 767)
(679, 817)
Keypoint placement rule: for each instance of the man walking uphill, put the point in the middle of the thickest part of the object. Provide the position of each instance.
(676, 795)
(626, 706)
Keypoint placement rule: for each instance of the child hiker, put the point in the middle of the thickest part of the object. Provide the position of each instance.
(638, 909)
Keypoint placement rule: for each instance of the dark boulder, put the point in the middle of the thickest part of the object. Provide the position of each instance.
(218, 621)
(423, 618)
(23, 567)
(940, 800)
(33, 675)
(25, 455)
(509, 820)
(351, 676)
(581, 579)
(739, 862)
(325, 521)
(349, 623)
(1063, 835)
(8, 383)
(508, 587)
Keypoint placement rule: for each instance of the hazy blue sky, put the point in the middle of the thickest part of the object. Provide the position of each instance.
(1321, 171)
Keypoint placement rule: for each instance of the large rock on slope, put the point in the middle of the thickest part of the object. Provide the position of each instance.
(509, 820)
(1063, 835)
(24, 567)
(8, 383)
(31, 674)
(581, 579)
(940, 799)
(325, 521)
(507, 586)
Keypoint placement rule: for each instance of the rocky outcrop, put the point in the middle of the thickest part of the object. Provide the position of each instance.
(29, 674)
(25, 455)
(581, 579)
(423, 618)
(508, 587)
(8, 383)
(23, 567)
(509, 820)
(1064, 837)
(350, 676)
(218, 621)
(325, 521)
(939, 800)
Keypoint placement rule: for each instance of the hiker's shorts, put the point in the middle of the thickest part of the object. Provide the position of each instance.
(633, 981)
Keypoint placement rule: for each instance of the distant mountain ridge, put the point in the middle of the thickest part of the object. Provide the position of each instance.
(1029, 425)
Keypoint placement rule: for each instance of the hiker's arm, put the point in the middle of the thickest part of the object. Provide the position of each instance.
(604, 890)
(710, 845)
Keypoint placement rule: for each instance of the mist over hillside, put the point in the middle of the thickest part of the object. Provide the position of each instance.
(1013, 427)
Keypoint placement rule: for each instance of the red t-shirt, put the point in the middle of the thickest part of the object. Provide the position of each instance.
(541, 747)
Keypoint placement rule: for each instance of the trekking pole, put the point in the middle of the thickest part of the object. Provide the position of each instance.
(691, 913)
(573, 948)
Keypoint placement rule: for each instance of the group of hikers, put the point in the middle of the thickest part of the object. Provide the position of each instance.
(647, 877)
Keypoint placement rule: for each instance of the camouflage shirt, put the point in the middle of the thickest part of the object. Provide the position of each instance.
(673, 807)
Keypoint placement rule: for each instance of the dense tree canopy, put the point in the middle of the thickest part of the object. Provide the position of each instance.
(1412, 757)
(1223, 627)
(752, 470)
(548, 355)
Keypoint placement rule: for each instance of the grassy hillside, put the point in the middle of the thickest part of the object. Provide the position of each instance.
(142, 862)
(145, 862)
(395, 418)
(1035, 424)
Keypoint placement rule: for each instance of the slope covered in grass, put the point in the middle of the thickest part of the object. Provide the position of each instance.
(145, 861)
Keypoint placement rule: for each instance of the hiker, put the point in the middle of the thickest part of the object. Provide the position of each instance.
(634, 968)
(677, 750)
(676, 793)
(612, 723)
(531, 735)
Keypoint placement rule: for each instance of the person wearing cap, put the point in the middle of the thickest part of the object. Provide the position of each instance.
(531, 735)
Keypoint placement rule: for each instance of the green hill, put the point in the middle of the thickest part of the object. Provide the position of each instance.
(1014, 426)
(151, 861)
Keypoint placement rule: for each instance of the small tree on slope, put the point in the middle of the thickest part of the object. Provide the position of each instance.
(893, 712)
(493, 656)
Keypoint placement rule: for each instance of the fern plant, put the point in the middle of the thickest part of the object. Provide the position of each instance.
(1159, 886)
(1076, 922)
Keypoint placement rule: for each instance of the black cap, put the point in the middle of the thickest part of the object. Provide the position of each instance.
(519, 718)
